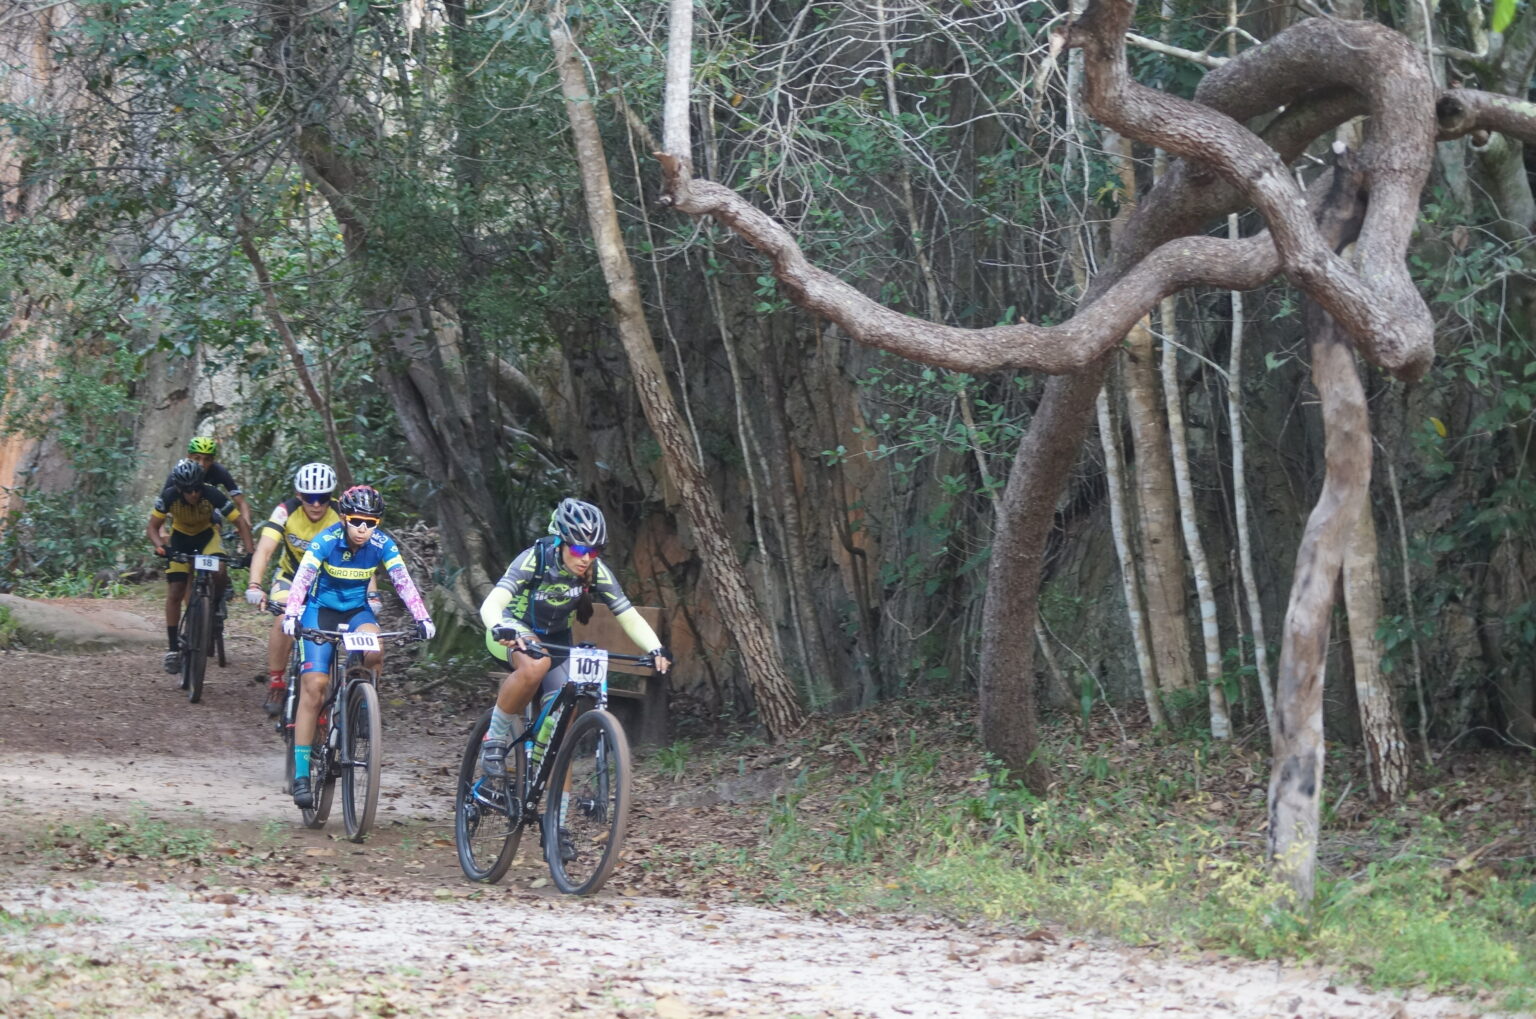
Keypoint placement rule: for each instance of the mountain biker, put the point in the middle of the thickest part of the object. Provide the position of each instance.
(338, 564)
(195, 509)
(294, 523)
(537, 597)
(204, 450)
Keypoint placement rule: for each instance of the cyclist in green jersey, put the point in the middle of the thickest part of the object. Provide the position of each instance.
(547, 584)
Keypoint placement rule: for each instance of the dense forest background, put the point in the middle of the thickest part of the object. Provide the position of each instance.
(358, 228)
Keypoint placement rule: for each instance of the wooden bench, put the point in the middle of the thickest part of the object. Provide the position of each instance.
(637, 696)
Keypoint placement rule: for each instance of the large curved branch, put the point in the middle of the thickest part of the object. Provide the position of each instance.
(1379, 305)
(1173, 266)
(1461, 111)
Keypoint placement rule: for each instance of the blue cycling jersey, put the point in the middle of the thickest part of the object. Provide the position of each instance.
(342, 582)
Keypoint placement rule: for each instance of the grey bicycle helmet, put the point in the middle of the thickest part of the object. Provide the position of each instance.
(579, 523)
(315, 479)
(187, 474)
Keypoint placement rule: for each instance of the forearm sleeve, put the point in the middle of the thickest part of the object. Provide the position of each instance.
(638, 629)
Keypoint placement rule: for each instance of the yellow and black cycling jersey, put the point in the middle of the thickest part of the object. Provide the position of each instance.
(193, 518)
(295, 532)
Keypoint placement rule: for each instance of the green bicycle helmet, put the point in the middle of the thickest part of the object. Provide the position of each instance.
(203, 444)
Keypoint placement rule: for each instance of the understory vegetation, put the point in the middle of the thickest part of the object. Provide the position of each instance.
(1150, 842)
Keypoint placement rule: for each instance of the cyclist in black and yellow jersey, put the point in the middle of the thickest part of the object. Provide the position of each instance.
(287, 535)
(204, 451)
(195, 509)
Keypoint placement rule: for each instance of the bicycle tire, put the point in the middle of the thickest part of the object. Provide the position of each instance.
(218, 644)
(588, 803)
(360, 778)
(322, 779)
(288, 761)
(194, 654)
(485, 855)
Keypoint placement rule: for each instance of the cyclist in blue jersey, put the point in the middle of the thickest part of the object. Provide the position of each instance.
(330, 587)
(545, 586)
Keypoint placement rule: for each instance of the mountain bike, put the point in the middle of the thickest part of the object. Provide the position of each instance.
(283, 724)
(201, 629)
(585, 768)
(348, 733)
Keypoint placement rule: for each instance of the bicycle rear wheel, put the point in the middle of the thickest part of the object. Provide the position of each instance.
(483, 829)
(588, 809)
(362, 758)
(194, 649)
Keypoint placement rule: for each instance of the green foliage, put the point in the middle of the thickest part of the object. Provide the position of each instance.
(140, 836)
(1147, 855)
(672, 759)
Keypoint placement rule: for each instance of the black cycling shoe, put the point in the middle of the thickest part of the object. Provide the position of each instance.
(493, 758)
(303, 795)
(172, 662)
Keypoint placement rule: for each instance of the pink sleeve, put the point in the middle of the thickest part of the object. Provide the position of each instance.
(406, 587)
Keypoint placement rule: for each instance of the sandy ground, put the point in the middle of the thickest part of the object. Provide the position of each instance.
(391, 927)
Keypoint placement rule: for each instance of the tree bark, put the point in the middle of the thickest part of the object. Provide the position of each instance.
(778, 704)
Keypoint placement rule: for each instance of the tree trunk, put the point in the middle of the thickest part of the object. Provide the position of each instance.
(1162, 559)
(1189, 521)
(1386, 746)
(1114, 480)
(777, 702)
(1240, 503)
(1296, 777)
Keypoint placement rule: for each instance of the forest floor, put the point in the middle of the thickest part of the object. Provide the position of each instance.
(150, 865)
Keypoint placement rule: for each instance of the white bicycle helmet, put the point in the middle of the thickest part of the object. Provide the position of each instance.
(315, 479)
(579, 523)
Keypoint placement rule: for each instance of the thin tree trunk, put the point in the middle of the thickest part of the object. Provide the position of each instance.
(777, 703)
(1221, 723)
(280, 326)
(1162, 561)
(1115, 481)
(1386, 747)
(1296, 777)
(1240, 502)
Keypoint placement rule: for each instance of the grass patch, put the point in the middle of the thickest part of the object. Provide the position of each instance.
(30, 919)
(140, 837)
(1159, 843)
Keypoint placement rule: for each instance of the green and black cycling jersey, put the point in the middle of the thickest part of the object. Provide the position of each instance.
(540, 602)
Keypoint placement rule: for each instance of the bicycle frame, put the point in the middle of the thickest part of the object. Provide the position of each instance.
(522, 806)
(342, 680)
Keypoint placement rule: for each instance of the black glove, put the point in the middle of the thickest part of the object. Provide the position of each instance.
(662, 652)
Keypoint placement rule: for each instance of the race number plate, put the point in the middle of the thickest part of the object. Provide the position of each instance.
(360, 641)
(589, 665)
(206, 562)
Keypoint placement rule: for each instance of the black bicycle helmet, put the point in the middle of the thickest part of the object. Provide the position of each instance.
(187, 474)
(361, 499)
(579, 523)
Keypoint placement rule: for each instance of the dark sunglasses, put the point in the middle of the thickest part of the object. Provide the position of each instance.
(194, 490)
(316, 498)
(368, 522)
(584, 550)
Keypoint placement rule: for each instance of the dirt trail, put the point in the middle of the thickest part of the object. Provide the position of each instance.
(317, 926)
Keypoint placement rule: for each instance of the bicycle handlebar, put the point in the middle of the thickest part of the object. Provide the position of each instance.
(537, 648)
(335, 636)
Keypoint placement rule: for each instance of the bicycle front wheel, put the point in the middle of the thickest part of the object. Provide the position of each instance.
(361, 760)
(588, 809)
(484, 829)
(194, 650)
